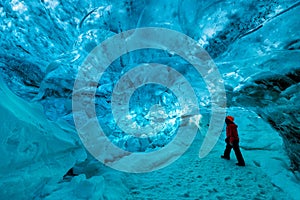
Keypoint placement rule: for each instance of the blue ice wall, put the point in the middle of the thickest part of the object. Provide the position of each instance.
(255, 46)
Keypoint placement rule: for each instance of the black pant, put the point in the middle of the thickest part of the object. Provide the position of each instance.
(237, 152)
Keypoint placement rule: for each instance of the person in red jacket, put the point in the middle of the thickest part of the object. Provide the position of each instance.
(232, 141)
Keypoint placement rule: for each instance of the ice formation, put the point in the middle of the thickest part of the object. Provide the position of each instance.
(254, 44)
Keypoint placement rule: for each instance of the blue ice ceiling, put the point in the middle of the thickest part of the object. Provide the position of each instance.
(254, 44)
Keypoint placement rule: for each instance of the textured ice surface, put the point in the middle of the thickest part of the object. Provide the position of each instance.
(34, 151)
(255, 44)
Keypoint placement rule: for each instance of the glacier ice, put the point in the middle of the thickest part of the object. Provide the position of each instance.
(255, 45)
(33, 144)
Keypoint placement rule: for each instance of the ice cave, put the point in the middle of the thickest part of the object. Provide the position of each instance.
(124, 99)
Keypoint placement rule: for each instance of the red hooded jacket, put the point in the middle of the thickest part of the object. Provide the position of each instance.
(232, 133)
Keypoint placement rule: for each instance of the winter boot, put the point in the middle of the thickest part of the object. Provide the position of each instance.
(224, 157)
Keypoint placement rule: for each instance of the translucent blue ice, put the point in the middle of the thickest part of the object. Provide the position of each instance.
(254, 44)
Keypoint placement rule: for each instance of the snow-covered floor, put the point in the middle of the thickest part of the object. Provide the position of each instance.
(265, 176)
(208, 178)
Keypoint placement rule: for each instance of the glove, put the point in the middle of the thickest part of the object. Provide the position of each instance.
(230, 144)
